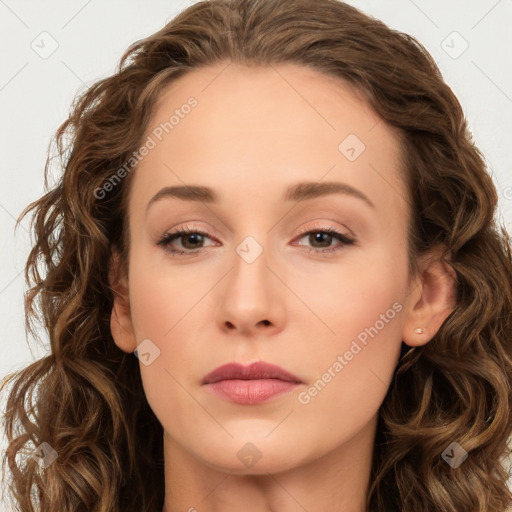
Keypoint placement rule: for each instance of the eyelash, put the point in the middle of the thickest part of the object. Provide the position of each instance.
(166, 240)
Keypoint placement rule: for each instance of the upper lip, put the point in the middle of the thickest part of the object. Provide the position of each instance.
(258, 370)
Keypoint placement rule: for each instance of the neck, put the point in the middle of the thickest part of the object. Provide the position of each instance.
(335, 481)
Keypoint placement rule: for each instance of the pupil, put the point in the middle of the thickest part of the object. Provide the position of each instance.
(322, 238)
(195, 238)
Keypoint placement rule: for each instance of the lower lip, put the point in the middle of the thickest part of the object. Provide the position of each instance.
(250, 392)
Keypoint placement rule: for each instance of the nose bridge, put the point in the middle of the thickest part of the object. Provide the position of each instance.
(250, 297)
(249, 279)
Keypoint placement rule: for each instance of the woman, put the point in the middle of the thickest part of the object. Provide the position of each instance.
(278, 209)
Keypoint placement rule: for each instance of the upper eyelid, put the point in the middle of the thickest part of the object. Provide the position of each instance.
(321, 228)
(310, 229)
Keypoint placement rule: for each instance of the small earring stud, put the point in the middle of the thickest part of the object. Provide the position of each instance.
(419, 330)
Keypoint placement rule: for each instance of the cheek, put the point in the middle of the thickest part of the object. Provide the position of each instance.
(162, 296)
(351, 298)
(162, 307)
(361, 315)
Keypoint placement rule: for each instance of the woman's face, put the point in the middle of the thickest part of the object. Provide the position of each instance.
(296, 256)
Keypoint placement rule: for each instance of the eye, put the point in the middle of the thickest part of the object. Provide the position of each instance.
(190, 239)
(321, 240)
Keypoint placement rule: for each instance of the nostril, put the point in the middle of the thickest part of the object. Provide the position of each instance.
(230, 325)
(266, 322)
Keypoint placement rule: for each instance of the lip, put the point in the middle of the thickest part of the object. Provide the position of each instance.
(252, 384)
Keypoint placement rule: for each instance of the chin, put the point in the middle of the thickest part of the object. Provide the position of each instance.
(267, 463)
(253, 455)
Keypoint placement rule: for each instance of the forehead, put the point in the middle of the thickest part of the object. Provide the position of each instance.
(239, 128)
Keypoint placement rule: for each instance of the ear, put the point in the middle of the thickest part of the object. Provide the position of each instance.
(120, 319)
(432, 297)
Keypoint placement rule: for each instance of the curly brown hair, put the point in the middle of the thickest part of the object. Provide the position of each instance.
(86, 400)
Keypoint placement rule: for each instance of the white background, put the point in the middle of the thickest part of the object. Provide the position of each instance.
(36, 94)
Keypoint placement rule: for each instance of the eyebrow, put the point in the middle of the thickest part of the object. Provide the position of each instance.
(297, 192)
(310, 190)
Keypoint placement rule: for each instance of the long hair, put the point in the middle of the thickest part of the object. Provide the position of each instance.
(85, 398)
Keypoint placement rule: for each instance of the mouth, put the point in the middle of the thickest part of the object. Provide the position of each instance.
(250, 385)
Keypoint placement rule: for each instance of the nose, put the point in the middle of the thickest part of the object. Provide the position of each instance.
(251, 299)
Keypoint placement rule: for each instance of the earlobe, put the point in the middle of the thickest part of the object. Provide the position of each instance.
(432, 299)
(120, 319)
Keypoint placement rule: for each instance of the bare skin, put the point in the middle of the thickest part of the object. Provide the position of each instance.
(254, 133)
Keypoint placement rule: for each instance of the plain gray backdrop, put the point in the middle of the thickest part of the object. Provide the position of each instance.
(52, 50)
